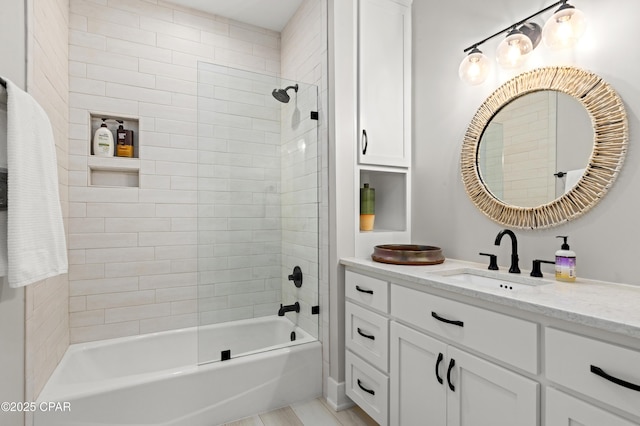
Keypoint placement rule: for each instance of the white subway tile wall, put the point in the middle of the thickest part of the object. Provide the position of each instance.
(133, 251)
(47, 302)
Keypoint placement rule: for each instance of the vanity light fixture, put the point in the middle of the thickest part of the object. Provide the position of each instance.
(563, 29)
(513, 51)
(475, 67)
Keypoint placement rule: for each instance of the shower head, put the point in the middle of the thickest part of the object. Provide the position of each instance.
(281, 94)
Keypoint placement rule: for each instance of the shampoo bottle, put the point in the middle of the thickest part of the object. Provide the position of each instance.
(103, 141)
(565, 262)
(125, 141)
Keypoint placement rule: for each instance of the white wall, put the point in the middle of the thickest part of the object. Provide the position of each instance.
(605, 239)
(342, 131)
(12, 67)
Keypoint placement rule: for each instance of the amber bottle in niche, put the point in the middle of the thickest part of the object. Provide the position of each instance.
(124, 146)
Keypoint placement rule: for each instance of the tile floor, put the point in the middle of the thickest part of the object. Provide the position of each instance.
(311, 413)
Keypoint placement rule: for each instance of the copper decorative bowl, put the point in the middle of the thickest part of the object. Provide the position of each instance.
(407, 254)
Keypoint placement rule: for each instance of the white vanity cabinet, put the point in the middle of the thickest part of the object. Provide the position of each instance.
(404, 366)
(384, 82)
(438, 383)
(460, 355)
(367, 343)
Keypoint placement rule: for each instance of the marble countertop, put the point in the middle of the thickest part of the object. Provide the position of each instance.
(607, 306)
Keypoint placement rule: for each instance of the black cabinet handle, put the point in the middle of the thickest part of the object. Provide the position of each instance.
(440, 358)
(361, 290)
(365, 142)
(369, 391)
(452, 364)
(368, 336)
(448, 321)
(600, 372)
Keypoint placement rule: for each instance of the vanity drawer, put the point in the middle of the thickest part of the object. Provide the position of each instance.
(367, 334)
(512, 340)
(367, 387)
(563, 409)
(369, 291)
(572, 361)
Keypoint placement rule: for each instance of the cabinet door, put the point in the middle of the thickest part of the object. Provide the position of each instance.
(384, 64)
(417, 361)
(485, 394)
(566, 410)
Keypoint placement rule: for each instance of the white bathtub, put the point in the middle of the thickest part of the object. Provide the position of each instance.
(154, 379)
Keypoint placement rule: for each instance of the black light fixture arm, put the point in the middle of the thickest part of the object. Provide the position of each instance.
(512, 26)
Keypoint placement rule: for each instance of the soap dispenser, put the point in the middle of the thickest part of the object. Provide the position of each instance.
(103, 141)
(565, 262)
(125, 141)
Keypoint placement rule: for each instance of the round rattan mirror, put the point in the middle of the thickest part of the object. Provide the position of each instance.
(610, 130)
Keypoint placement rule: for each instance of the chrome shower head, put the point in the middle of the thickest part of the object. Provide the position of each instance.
(281, 94)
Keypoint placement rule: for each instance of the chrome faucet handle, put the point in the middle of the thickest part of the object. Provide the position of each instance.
(493, 261)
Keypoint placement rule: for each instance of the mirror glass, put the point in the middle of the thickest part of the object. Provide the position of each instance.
(535, 148)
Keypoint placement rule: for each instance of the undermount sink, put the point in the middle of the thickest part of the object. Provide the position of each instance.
(491, 279)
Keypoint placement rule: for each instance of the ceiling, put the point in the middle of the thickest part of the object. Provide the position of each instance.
(271, 14)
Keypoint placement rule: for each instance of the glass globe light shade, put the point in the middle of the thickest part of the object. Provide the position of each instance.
(513, 51)
(474, 68)
(564, 28)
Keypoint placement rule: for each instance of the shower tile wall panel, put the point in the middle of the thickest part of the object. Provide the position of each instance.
(239, 187)
(305, 171)
(47, 319)
(134, 250)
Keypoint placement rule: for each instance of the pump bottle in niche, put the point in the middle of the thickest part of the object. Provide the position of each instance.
(125, 141)
(103, 141)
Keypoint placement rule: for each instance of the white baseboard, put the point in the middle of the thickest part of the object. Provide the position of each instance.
(336, 395)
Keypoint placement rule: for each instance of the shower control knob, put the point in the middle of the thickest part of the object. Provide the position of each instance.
(296, 277)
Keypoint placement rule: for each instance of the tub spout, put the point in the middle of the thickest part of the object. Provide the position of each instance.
(288, 308)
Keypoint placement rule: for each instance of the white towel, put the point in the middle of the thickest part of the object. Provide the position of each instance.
(36, 242)
(573, 176)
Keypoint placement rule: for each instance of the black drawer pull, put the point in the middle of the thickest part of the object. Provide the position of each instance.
(361, 290)
(600, 372)
(368, 336)
(452, 364)
(448, 321)
(369, 391)
(440, 358)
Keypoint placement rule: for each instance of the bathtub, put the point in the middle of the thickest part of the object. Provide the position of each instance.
(155, 379)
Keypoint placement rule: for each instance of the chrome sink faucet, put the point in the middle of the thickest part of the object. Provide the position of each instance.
(514, 269)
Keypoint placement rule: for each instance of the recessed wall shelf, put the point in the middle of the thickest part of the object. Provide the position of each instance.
(129, 123)
(392, 206)
(114, 172)
(391, 197)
